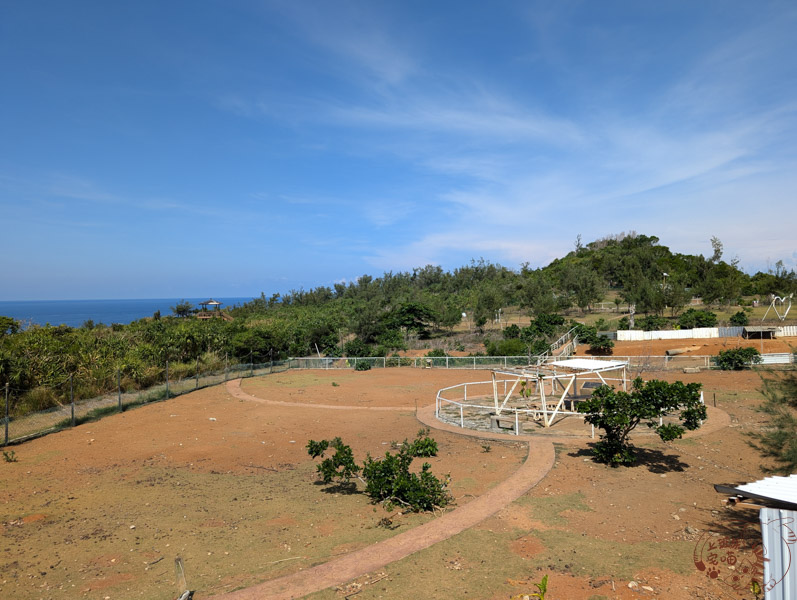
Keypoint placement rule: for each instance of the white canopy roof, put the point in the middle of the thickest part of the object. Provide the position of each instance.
(783, 489)
(588, 364)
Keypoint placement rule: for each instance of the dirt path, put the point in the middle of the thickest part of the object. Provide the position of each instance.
(539, 461)
(234, 388)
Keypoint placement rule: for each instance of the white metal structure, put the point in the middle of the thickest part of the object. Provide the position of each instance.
(558, 376)
(542, 393)
(777, 301)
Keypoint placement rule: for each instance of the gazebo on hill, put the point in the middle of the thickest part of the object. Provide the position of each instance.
(211, 309)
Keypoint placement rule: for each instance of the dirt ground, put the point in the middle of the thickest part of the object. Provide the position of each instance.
(103, 510)
(709, 347)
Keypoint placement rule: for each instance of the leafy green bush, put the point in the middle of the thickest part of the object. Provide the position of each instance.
(357, 348)
(362, 366)
(510, 347)
(697, 318)
(388, 480)
(437, 353)
(739, 319)
(652, 323)
(617, 413)
(737, 359)
(598, 344)
(512, 332)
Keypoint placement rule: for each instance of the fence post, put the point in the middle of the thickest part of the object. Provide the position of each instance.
(196, 374)
(6, 442)
(119, 389)
(446, 362)
(252, 362)
(461, 416)
(167, 379)
(72, 399)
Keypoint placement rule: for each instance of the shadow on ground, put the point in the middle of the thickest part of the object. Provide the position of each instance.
(652, 459)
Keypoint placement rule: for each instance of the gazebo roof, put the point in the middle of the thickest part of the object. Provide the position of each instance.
(211, 302)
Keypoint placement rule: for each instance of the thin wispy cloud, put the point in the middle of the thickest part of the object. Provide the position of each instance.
(358, 135)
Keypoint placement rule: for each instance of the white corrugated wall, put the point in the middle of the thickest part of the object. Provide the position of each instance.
(779, 537)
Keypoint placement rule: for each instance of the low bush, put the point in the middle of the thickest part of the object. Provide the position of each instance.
(388, 481)
(737, 359)
(739, 319)
(362, 366)
(697, 318)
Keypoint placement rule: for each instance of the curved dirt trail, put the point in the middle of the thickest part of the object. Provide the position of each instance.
(539, 461)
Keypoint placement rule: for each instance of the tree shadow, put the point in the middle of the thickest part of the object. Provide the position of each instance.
(345, 488)
(652, 459)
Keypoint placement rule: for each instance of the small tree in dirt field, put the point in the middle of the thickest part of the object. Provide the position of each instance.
(388, 480)
(736, 359)
(617, 413)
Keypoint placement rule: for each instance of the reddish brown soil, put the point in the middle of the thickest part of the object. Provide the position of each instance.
(101, 511)
(710, 347)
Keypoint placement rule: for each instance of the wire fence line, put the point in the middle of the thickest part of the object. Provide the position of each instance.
(19, 427)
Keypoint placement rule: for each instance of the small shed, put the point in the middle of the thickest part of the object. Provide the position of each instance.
(760, 332)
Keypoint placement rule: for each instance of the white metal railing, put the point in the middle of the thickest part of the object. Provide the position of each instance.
(655, 363)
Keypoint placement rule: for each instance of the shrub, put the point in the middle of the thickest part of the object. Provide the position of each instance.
(510, 347)
(598, 344)
(737, 359)
(362, 366)
(512, 332)
(438, 353)
(697, 318)
(652, 323)
(623, 324)
(357, 348)
(739, 319)
(388, 480)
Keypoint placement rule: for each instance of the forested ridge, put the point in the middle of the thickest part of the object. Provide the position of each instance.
(377, 316)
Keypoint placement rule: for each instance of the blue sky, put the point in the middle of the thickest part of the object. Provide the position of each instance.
(186, 149)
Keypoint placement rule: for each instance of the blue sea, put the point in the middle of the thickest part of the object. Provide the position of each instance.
(76, 312)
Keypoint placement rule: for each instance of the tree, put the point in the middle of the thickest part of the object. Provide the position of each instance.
(618, 413)
(183, 308)
(697, 318)
(779, 439)
(8, 326)
(584, 285)
(736, 359)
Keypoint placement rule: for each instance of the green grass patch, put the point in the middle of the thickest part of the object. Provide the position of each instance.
(549, 509)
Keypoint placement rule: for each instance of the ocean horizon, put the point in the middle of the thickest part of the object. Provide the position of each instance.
(74, 313)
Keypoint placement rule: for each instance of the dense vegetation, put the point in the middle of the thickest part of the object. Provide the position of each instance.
(379, 316)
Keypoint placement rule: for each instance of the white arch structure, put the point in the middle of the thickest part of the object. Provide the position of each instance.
(559, 375)
(542, 392)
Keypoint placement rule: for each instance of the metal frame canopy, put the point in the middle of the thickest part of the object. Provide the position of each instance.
(562, 373)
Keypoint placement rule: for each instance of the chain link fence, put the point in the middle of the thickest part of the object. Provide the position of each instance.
(19, 425)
